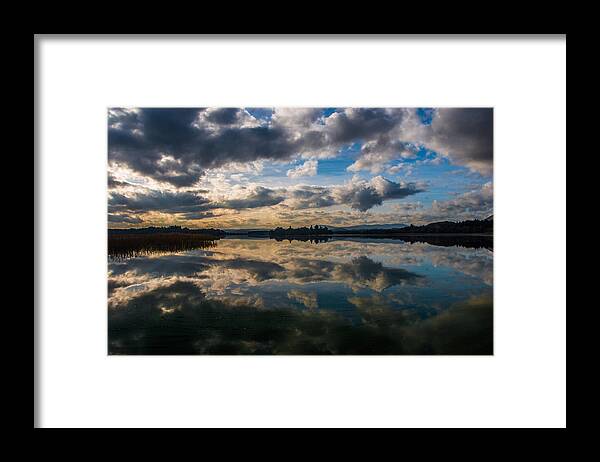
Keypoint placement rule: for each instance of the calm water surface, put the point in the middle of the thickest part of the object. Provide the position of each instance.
(261, 296)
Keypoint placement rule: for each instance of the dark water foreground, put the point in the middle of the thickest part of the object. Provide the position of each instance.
(260, 296)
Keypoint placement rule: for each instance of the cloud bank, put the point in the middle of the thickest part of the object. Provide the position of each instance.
(283, 163)
(178, 146)
(357, 194)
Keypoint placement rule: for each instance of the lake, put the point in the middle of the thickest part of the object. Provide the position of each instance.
(347, 296)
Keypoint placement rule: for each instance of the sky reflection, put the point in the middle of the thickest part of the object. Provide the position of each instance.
(339, 297)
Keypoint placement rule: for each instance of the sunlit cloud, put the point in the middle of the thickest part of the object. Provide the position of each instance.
(264, 167)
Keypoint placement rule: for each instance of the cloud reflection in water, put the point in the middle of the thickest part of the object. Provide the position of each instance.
(268, 297)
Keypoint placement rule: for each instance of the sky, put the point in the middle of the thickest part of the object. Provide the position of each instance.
(236, 168)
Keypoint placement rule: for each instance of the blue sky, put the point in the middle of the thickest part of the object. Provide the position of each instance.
(264, 167)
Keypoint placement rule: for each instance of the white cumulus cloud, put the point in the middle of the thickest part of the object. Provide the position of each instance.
(308, 168)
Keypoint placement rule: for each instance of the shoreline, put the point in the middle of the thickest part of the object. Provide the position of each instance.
(413, 234)
(374, 235)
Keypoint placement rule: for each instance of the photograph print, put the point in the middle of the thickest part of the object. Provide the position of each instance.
(300, 231)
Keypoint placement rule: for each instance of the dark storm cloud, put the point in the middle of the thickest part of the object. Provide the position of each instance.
(223, 116)
(177, 145)
(466, 135)
(259, 197)
(363, 195)
(362, 198)
(243, 145)
(158, 201)
(190, 205)
(388, 189)
(142, 139)
(305, 197)
(362, 123)
(126, 120)
(358, 194)
(168, 145)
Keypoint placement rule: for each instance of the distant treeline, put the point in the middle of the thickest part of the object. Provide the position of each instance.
(442, 227)
(315, 230)
(168, 230)
(450, 227)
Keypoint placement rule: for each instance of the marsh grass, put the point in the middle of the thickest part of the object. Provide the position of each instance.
(135, 245)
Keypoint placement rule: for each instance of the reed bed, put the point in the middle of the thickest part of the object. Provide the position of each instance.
(135, 245)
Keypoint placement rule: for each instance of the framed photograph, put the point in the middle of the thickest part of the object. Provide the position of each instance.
(334, 219)
(300, 231)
